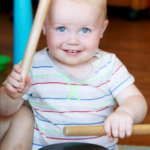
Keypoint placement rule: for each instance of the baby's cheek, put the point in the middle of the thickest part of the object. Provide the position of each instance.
(92, 44)
(53, 41)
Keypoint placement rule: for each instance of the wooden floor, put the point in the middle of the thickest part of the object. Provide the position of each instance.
(130, 41)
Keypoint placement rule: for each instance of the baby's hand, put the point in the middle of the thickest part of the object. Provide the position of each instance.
(118, 125)
(14, 83)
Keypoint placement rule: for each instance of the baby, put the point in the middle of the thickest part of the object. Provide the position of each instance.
(71, 82)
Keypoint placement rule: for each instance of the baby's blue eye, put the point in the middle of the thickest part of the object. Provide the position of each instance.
(85, 30)
(62, 29)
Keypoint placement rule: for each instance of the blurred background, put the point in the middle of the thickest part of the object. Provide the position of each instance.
(128, 36)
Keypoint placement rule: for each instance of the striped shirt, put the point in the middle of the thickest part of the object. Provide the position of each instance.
(59, 99)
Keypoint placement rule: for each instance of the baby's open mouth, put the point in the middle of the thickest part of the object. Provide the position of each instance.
(72, 51)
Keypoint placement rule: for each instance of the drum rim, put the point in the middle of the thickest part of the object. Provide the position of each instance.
(74, 143)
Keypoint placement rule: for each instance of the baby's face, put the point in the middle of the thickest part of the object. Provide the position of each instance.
(73, 30)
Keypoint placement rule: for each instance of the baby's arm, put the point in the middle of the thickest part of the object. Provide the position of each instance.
(132, 110)
(11, 100)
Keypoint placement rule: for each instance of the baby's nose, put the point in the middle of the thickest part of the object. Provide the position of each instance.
(73, 40)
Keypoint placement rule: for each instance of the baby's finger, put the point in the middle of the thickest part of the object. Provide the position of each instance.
(115, 129)
(10, 89)
(28, 84)
(110, 138)
(16, 76)
(128, 129)
(14, 83)
(107, 128)
(17, 68)
(122, 129)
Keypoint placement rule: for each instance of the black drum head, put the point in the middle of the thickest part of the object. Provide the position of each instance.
(73, 146)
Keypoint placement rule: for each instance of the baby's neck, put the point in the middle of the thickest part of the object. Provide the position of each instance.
(78, 71)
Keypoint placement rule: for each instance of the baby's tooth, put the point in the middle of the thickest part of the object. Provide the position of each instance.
(74, 51)
(70, 51)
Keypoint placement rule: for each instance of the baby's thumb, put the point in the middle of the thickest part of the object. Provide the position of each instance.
(28, 83)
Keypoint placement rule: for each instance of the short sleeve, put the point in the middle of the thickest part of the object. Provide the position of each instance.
(120, 78)
(29, 92)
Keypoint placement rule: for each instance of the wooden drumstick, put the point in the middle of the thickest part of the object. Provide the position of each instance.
(34, 36)
(99, 130)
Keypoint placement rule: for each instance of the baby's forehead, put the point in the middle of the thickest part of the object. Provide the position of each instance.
(58, 5)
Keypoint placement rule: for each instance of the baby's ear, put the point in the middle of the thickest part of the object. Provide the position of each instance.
(106, 22)
(44, 29)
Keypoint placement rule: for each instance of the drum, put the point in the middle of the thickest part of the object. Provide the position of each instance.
(73, 146)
